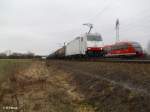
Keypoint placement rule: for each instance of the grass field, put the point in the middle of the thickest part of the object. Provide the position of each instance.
(9, 67)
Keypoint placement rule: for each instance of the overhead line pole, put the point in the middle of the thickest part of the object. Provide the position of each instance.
(117, 30)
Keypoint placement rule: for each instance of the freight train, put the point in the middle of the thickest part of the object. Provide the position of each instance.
(87, 45)
(91, 45)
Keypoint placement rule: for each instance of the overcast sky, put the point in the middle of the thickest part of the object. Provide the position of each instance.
(41, 26)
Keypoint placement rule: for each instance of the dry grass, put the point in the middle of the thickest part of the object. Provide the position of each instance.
(9, 67)
(59, 86)
(8, 71)
(39, 89)
(110, 87)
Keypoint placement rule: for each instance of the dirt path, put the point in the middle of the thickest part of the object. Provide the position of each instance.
(40, 89)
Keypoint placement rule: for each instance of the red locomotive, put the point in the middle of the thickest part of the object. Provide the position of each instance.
(123, 49)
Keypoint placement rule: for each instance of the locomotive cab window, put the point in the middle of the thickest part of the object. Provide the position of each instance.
(77, 38)
(137, 46)
(120, 47)
(81, 38)
(94, 38)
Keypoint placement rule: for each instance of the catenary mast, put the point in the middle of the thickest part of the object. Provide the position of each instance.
(117, 30)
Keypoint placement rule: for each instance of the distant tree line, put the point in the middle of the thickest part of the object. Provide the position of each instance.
(16, 55)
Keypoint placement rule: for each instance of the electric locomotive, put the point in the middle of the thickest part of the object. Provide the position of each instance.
(87, 45)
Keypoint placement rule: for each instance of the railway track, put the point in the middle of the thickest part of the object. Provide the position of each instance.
(145, 61)
(114, 60)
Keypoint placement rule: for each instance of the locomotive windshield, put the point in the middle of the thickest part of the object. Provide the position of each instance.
(94, 38)
(137, 46)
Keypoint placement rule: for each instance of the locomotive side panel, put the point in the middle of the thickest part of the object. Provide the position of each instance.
(75, 47)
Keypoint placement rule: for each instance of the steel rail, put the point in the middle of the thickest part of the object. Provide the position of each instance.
(144, 61)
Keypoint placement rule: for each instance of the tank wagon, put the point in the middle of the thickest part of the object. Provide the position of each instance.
(59, 54)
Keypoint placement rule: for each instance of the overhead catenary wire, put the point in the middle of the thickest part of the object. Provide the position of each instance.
(100, 12)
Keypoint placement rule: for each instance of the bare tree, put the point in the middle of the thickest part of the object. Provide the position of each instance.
(3, 55)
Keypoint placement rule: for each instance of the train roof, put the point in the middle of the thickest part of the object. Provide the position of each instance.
(122, 42)
(88, 34)
(126, 42)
